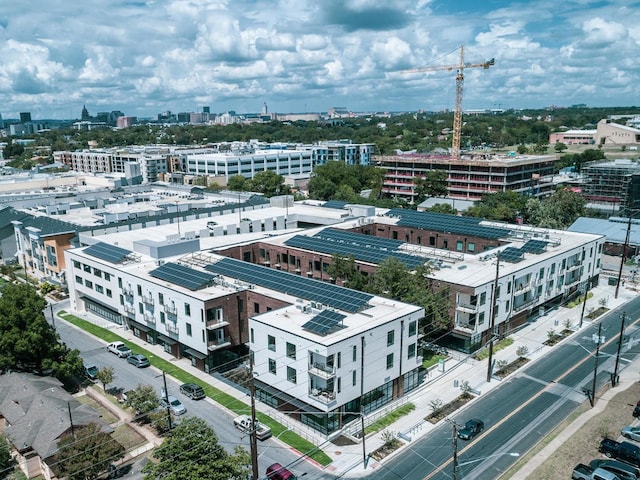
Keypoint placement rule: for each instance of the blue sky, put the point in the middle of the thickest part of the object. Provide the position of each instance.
(308, 55)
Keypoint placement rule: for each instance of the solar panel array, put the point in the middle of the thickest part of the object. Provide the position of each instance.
(337, 204)
(183, 276)
(107, 252)
(442, 222)
(359, 252)
(325, 322)
(512, 255)
(326, 293)
(358, 239)
(535, 246)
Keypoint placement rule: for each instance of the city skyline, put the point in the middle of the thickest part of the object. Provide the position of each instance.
(147, 57)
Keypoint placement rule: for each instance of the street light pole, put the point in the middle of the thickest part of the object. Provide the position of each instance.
(624, 255)
(493, 318)
(455, 450)
(166, 399)
(614, 375)
(592, 398)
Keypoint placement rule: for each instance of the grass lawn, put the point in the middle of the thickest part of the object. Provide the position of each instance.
(229, 401)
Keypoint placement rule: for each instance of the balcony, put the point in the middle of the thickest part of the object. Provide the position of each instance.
(147, 299)
(127, 291)
(571, 268)
(467, 307)
(170, 309)
(527, 304)
(129, 308)
(322, 370)
(171, 328)
(213, 324)
(218, 343)
(149, 318)
(323, 396)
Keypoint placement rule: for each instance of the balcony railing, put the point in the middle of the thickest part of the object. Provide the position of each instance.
(323, 396)
(128, 291)
(322, 370)
(213, 324)
(149, 318)
(467, 307)
(147, 299)
(170, 309)
(171, 328)
(218, 343)
(129, 308)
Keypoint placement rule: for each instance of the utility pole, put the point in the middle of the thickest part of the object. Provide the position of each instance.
(493, 318)
(253, 441)
(166, 399)
(454, 442)
(53, 318)
(592, 398)
(364, 448)
(614, 375)
(624, 255)
(584, 303)
(73, 433)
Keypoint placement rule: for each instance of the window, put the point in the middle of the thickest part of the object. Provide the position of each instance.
(78, 280)
(483, 298)
(471, 247)
(316, 265)
(86, 268)
(339, 360)
(256, 307)
(459, 245)
(271, 342)
(353, 378)
(187, 309)
(188, 329)
(253, 336)
(140, 290)
(99, 288)
(413, 328)
(109, 293)
(339, 388)
(291, 373)
(389, 361)
(432, 241)
(411, 351)
(390, 337)
(76, 264)
(162, 318)
(355, 353)
(140, 307)
(89, 283)
(272, 366)
(291, 351)
(161, 299)
(481, 316)
(107, 276)
(119, 282)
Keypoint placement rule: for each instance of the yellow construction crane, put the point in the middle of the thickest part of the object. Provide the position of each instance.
(457, 114)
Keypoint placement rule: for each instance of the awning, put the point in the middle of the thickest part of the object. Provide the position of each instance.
(195, 353)
(138, 326)
(168, 340)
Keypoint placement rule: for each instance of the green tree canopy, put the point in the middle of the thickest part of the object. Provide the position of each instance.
(502, 206)
(432, 184)
(237, 183)
(191, 450)
(86, 453)
(266, 182)
(556, 211)
(27, 341)
(6, 460)
(143, 399)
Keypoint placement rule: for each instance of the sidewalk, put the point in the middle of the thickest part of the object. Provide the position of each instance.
(443, 386)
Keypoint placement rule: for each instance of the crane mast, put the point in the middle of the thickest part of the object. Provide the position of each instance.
(457, 113)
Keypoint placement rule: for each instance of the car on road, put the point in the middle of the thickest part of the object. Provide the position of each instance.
(631, 432)
(176, 406)
(138, 360)
(470, 429)
(278, 472)
(91, 371)
(119, 348)
(243, 423)
(621, 469)
(192, 390)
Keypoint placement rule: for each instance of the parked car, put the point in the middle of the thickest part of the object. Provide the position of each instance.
(138, 360)
(472, 428)
(278, 472)
(192, 390)
(636, 411)
(175, 405)
(625, 451)
(243, 423)
(583, 472)
(119, 348)
(91, 371)
(621, 469)
(631, 432)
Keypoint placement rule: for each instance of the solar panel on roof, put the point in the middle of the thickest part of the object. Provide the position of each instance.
(326, 293)
(337, 235)
(447, 223)
(512, 255)
(325, 322)
(183, 276)
(107, 252)
(337, 204)
(368, 254)
(535, 246)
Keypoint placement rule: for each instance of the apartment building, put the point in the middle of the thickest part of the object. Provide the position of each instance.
(609, 182)
(470, 176)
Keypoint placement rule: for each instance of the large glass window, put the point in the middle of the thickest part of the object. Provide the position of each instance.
(291, 351)
(389, 361)
(411, 350)
(271, 342)
(272, 366)
(413, 328)
(291, 374)
(390, 338)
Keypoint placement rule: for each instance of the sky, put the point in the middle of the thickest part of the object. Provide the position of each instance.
(143, 58)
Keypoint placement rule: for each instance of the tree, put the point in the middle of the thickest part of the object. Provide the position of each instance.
(105, 376)
(503, 206)
(237, 183)
(344, 269)
(556, 211)
(392, 280)
(143, 399)
(191, 450)
(266, 182)
(560, 147)
(432, 184)
(27, 341)
(86, 453)
(6, 460)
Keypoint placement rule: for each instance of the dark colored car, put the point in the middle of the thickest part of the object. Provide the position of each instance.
(192, 390)
(621, 469)
(472, 428)
(636, 411)
(278, 472)
(625, 451)
(138, 360)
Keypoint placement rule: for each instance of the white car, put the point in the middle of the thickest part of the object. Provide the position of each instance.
(243, 423)
(119, 348)
(176, 406)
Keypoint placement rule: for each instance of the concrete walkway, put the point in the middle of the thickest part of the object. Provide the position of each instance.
(441, 386)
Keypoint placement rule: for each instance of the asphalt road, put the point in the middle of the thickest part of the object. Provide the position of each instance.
(521, 411)
(128, 377)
